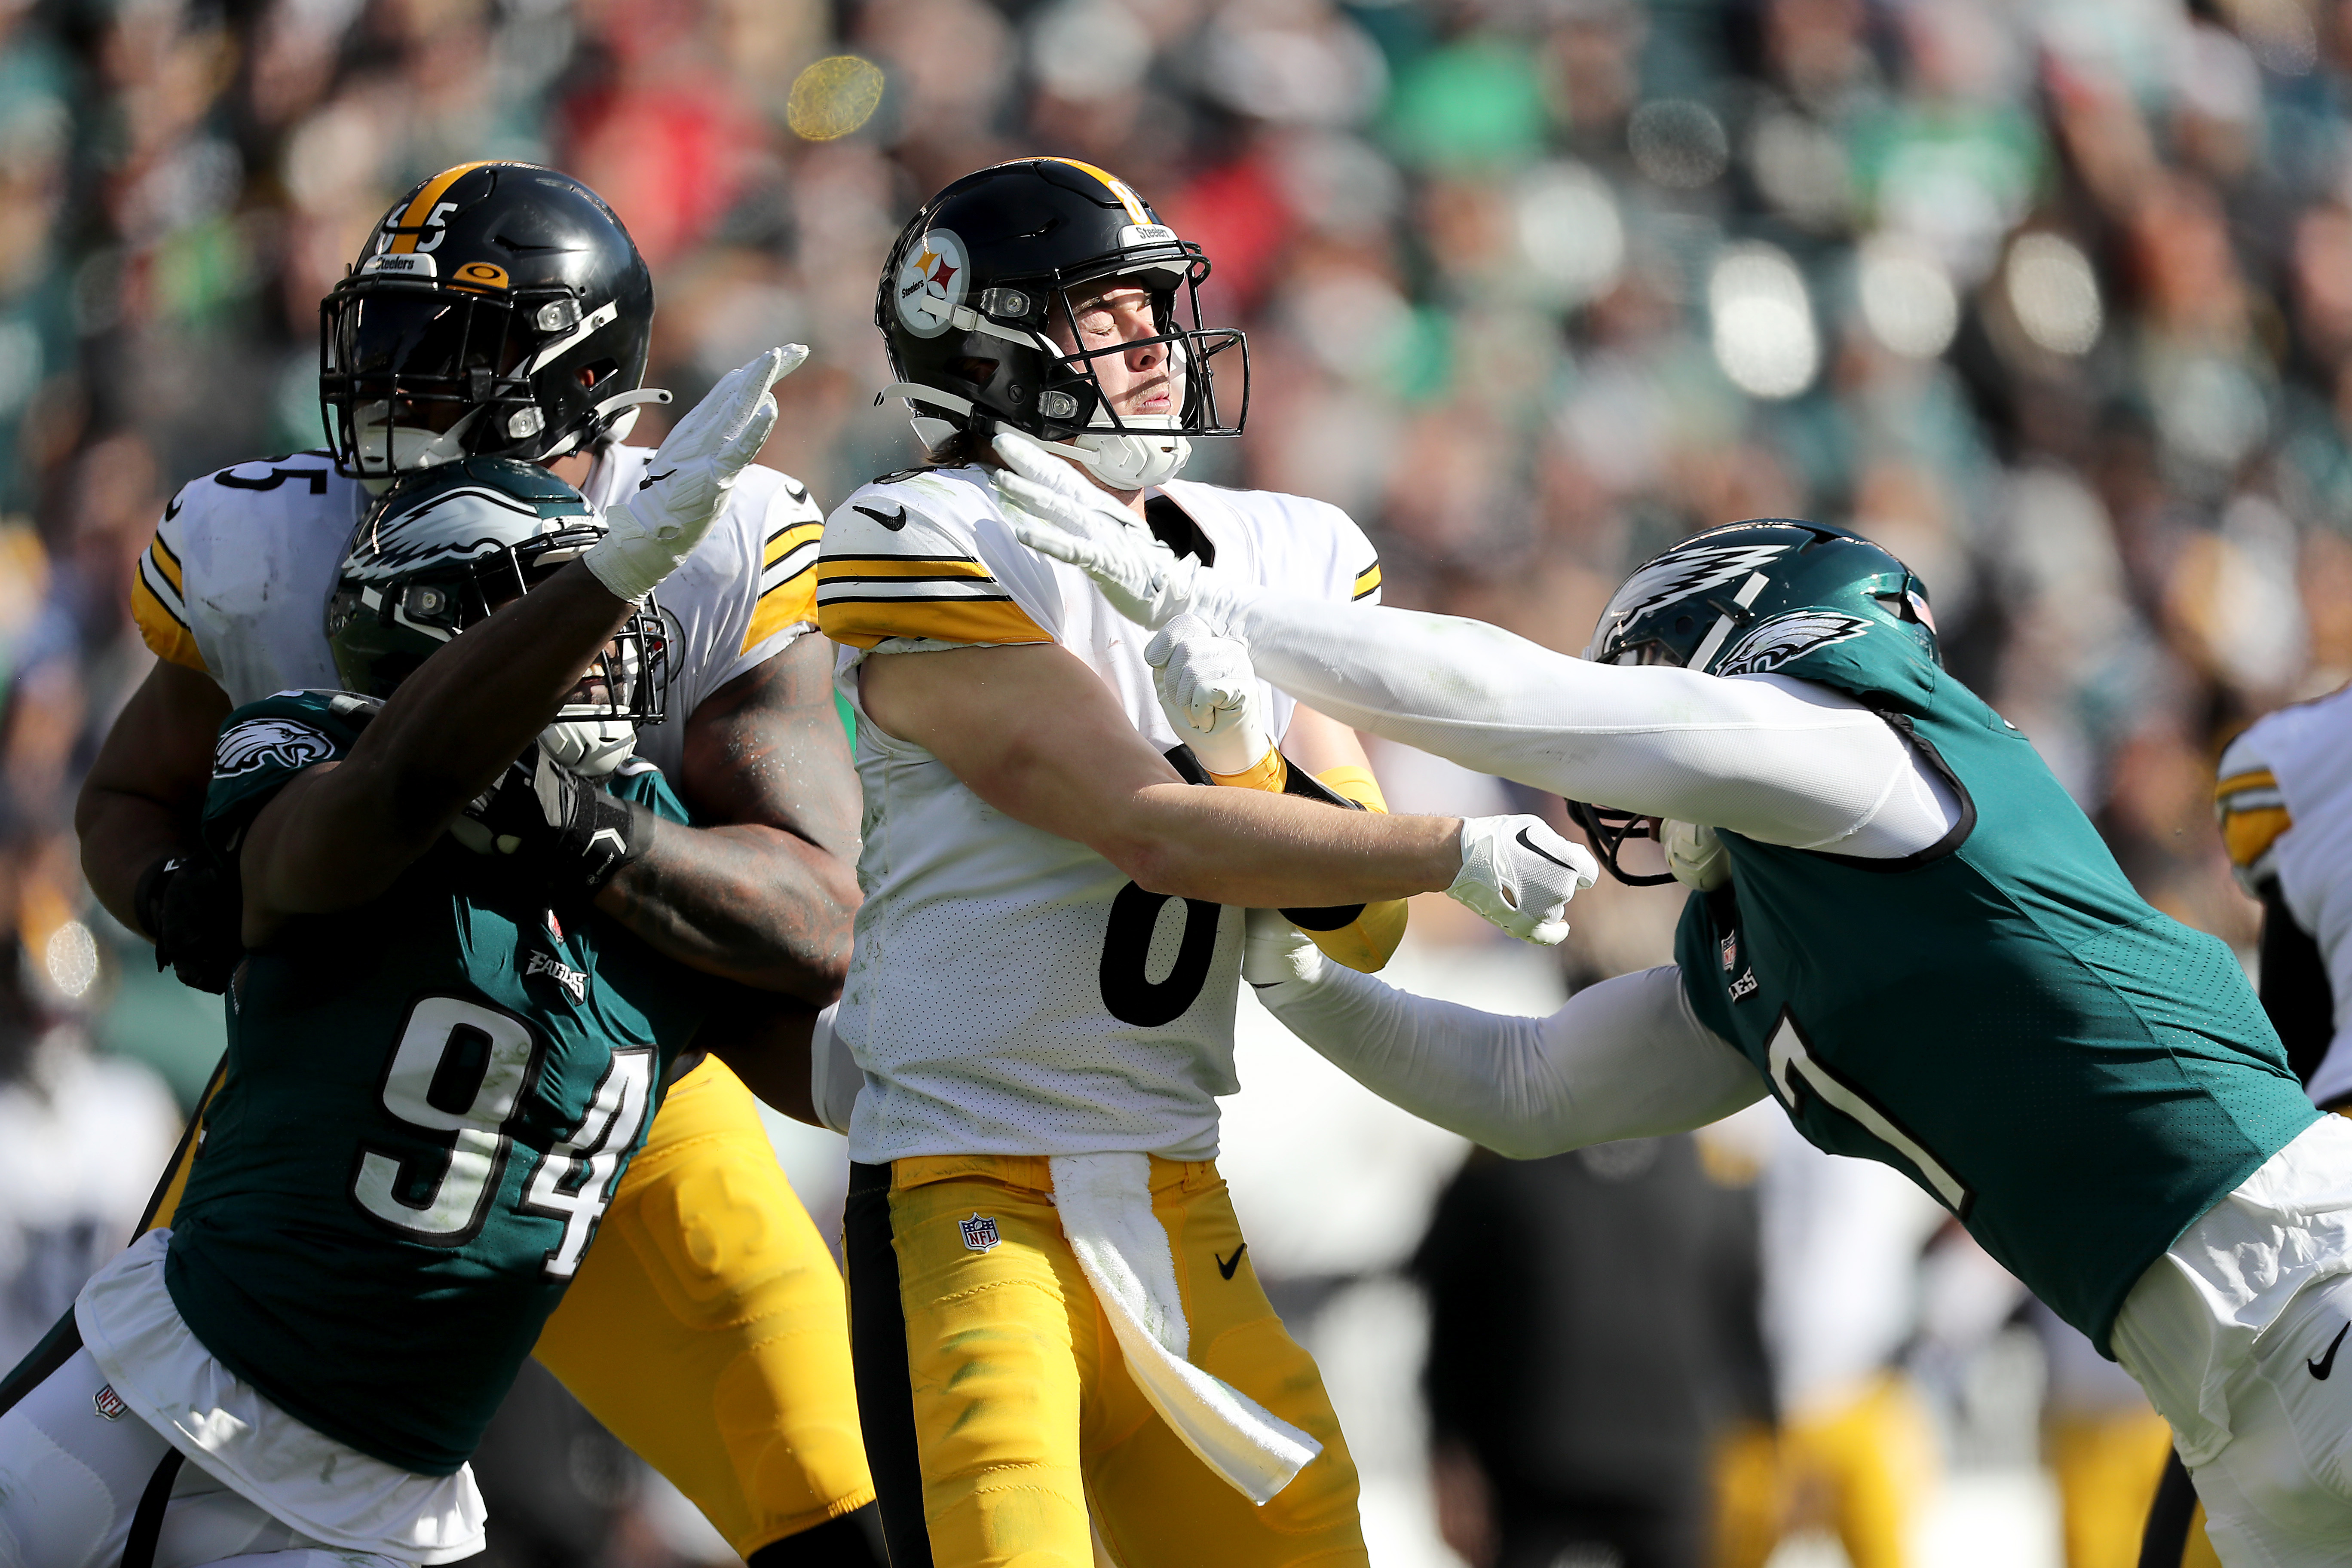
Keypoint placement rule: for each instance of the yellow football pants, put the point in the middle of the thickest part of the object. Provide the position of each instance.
(708, 1328)
(2106, 1467)
(1860, 1467)
(1024, 1424)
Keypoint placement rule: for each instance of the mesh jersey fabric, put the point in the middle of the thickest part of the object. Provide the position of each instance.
(375, 1233)
(1010, 992)
(2002, 1018)
(236, 579)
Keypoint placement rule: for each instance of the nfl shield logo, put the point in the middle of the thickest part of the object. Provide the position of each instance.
(1731, 952)
(109, 1404)
(979, 1232)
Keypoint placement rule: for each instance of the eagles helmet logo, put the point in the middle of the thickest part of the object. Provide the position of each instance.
(1680, 575)
(268, 743)
(1784, 638)
(932, 284)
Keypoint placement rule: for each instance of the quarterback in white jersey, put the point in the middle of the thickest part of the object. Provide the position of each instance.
(501, 309)
(1059, 1340)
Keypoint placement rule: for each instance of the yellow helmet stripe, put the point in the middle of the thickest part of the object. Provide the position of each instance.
(412, 221)
(1118, 188)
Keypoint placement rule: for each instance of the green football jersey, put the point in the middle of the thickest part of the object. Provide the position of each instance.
(429, 1101)
(2001, 1018)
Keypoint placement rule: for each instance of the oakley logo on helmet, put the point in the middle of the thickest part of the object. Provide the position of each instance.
(268, 743)
(1682, 573)
(931, 283)
(1784, 638)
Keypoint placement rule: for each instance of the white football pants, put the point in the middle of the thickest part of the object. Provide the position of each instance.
(72, 1477)
(2280, 1494)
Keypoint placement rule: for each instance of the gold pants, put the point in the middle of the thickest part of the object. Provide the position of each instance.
(1002, 1419)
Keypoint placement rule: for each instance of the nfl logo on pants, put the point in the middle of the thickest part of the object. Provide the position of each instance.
(979, 1232)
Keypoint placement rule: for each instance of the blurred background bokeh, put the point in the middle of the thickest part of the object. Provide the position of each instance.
(2053, 299)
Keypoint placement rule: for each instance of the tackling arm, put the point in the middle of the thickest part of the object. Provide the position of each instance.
(766, 895)
(1625, 1059)
(340, 833)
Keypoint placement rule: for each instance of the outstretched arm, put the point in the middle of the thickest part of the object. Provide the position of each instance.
(1625, 1059)
(765, 894)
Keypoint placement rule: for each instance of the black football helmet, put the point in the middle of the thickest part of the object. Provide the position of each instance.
(444, 548)
(990, 263)
(1745, 599)
(500, 310)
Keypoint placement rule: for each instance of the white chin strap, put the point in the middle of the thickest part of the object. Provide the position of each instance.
(1131, 462)
(592, 748)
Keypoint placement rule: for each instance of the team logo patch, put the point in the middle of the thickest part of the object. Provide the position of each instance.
(268, 743)
(574, 982)
(931, 283)
(1731, 950)
(109, 1404)
(1744, 987)
(1785, 638)
(1684, 573)
(979, 1232)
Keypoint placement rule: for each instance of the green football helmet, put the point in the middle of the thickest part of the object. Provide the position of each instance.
(1748, 598)
(446, 546)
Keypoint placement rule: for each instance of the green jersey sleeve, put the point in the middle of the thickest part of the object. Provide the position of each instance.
(263, 745)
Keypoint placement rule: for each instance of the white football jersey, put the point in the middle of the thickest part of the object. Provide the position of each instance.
(2285, 801)
(1010, 991)
(237, 582)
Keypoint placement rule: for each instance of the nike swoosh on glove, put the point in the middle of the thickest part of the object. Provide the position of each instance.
(1519, 874)
(1057, 511)
(574, 836)
(1209, 693)
(647, 536)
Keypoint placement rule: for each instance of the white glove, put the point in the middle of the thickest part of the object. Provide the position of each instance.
(1275, 951)
(1695, 855)
(1519, 874)
(1055, 510)
(685, 484)
(1209, 693)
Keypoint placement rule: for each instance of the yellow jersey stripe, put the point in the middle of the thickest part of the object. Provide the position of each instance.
(933, 568)
(413, 220)
(163, 631)
(790, 538)
(165, 1202)
(166, 563)
(2259, 778)
(2248, 835)
(789, 603)
(863, 623)
(1367, 582)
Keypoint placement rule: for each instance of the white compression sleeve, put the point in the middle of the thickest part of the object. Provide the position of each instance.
(1782, 761)
(1625, 1059)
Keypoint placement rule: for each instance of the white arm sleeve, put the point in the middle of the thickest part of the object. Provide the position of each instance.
(1625, 1059)
(1778, 760)
(835, 1077)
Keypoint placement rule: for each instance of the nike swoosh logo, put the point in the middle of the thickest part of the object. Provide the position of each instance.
(651, 479)
(893, 523)
(1529, 845)
(1226, 1266)
(2320, 1369)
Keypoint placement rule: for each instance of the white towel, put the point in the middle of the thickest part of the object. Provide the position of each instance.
(1105, 1204)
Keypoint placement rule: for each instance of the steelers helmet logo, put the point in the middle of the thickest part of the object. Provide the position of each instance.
(930, 284)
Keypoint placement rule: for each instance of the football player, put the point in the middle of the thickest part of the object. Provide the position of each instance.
(1900, 927)
(501, 309)
(1052, 1309)
(434, 1079)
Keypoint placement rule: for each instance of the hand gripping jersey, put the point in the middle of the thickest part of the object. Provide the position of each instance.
(2284, 798)
(429, 1101)
(236, 581)
(1010, 991)
(2000, 1016)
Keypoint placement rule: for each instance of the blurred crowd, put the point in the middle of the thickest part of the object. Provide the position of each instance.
(2054, 300)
